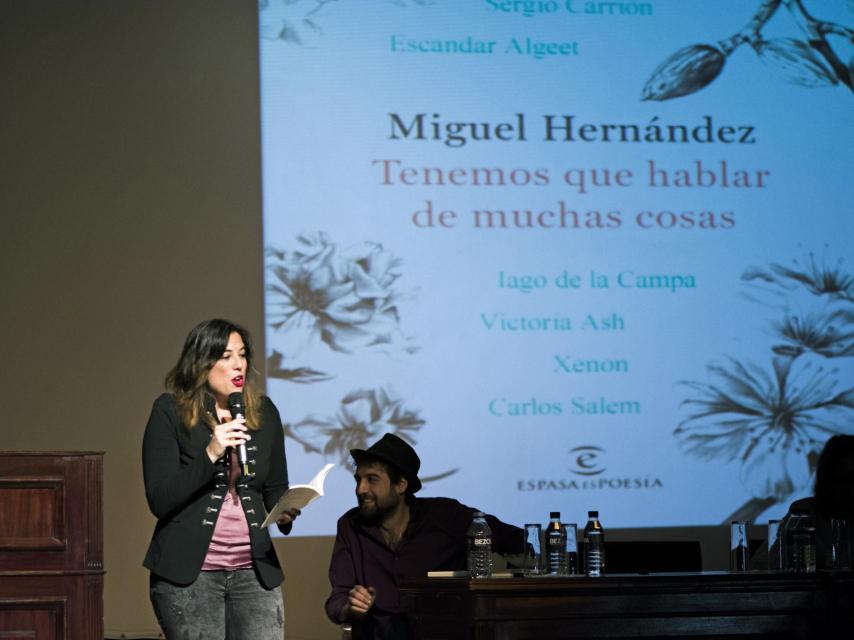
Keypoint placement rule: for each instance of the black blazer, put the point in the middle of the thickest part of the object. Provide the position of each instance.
(185, 491)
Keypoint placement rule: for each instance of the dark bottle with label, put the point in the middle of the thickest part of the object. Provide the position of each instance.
(479, 547)
(594, 545)
(555, 546)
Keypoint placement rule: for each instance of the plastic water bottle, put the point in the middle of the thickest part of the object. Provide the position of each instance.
(480, 547)
(594, 550)
(555, 545)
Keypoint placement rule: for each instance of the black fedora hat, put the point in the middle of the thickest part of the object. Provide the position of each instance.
(395, 451)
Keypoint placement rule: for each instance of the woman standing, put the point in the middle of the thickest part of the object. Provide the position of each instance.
(214, 571)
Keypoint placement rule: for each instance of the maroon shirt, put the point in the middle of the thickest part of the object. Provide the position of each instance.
(435, 540)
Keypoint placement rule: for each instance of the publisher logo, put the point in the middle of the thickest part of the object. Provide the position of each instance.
(586, 460)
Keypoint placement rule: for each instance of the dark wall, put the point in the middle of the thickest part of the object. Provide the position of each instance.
(131, 210)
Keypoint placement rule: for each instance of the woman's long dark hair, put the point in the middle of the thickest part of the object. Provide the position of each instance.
(187, 381)
(836, 450)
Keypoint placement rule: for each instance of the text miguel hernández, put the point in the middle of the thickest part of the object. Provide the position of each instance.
(567, 129)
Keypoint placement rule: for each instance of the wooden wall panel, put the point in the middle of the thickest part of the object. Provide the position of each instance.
(31, 514)
(37, 618)
(51, 545)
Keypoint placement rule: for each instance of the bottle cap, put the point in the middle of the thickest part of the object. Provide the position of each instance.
(593, 514)
(554, 515)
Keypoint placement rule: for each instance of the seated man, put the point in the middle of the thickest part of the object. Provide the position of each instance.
(392, 535)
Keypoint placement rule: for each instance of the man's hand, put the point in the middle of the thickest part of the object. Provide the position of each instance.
(359, 601)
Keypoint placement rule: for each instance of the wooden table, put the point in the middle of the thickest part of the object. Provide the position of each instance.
(677, 605)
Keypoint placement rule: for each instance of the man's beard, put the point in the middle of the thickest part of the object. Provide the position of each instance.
(377, 511)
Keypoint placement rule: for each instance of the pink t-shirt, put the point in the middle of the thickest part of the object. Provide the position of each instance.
(229, 548)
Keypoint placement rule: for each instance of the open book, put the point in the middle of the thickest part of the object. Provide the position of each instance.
(298, 496)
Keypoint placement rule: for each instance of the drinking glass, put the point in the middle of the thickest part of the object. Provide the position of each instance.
(533, 550)
(738, 546)
(800, 544)
(775, 545)
(840, 544)
(571, 548)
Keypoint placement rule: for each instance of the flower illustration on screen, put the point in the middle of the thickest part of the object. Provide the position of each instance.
(345, 298)
(814, 61)
(774, 420)
(815, 297)
(362, 418)
(810, 273)
(830, 334)
(300, 22)
(774, 423)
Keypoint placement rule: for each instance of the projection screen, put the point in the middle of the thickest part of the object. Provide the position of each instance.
(582, 255)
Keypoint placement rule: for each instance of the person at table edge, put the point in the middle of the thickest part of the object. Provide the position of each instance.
(392, 536)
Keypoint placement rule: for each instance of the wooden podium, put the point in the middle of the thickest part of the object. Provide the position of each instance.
(51, 545)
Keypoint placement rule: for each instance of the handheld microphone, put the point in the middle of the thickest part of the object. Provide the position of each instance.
(235, 405)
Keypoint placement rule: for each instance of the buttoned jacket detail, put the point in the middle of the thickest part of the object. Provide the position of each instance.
(185, 491)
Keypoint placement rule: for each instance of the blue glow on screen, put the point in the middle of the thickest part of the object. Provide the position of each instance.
(582, 255)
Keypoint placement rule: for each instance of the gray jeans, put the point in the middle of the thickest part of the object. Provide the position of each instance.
(219, 605)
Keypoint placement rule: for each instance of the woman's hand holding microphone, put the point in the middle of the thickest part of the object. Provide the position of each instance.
(227, 434)
(233, 434)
